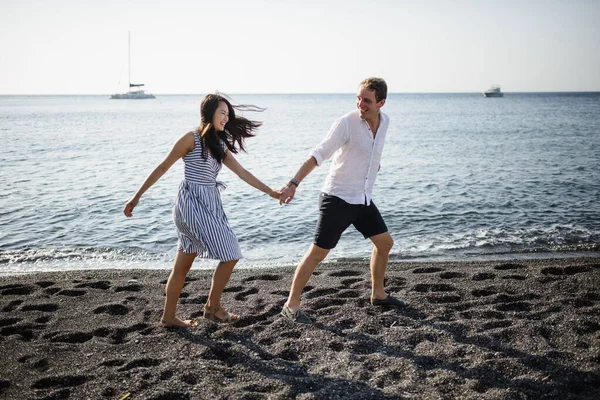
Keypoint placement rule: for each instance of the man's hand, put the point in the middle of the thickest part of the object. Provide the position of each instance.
(287, 194)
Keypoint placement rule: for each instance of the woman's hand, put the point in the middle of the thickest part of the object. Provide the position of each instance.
(275, 194)
(128, 210)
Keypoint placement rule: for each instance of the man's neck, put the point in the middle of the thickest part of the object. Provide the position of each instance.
(374, 123)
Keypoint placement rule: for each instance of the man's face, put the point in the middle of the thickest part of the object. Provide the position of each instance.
(367, 104)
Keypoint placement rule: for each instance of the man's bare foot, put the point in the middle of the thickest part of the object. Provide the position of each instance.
(188, 323)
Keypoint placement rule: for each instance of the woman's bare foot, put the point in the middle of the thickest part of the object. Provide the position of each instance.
(223, 315)
(218, 314)
(188, 323)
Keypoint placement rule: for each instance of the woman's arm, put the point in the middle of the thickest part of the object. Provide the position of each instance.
(184, 145)
(245, 175)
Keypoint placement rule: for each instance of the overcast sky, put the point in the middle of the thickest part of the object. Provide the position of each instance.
(301, 46)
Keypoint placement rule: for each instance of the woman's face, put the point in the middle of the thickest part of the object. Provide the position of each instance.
(221, 116)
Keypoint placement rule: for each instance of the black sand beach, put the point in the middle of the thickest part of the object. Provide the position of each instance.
(472, 330)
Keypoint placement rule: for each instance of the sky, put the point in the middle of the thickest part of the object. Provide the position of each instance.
(300, 46)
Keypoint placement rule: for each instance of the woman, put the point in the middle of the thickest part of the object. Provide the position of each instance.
(202, 226)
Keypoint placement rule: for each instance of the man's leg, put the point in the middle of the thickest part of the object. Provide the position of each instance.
(382, 245)
(303, 273)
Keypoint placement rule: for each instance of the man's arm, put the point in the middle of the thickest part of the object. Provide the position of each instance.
(336, 137)
(289, 190)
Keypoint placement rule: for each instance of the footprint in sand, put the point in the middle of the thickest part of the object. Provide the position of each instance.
(37, 364)
(25, 331)
(12, 306)
(587, 327)
(351, 281)
(571, 270)
(320, 293)
(327, 302)
(244, 295)
(233, 289)
(60, 381)
(45, 307)
(113, 363)
(9, 321)
(69, 337)
(288, 355)
(112, 309)
(284, 293)
(264, 277)
(515, 277)
(166, 375)
(345, 273)
(336, 346)
(484, 276)
(426, 270)
(102, 285)
(517, 306)
(508, 266)
(16, 290)
(503, 323)
(71, 292)
(268, 341)
(189, 379)
(487, 291)
(4, 384)
(119, 335)
(345, 323)
(128, 288)
(44, 319)
(437, 287)
(452, 275)
(45, 284)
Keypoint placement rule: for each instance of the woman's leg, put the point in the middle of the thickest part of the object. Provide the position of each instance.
(183, 263)
(219, 281)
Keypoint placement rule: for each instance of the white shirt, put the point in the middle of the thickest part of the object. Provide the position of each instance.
(356, 157)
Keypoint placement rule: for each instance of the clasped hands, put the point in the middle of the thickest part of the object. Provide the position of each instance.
(287, 193)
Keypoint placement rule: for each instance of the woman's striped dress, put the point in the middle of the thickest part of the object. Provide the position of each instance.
(202, 225)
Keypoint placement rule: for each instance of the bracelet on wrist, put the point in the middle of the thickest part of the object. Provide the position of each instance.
(295, 182)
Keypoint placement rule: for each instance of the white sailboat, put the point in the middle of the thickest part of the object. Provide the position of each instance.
(136, 90)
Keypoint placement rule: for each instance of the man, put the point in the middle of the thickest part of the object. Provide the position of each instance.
(356, 142)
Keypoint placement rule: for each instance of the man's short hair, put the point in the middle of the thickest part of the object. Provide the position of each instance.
(378, 85)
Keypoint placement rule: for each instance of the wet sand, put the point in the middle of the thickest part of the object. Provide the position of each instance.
(471, 330)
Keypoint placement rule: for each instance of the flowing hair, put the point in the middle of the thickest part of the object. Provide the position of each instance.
(237, 128)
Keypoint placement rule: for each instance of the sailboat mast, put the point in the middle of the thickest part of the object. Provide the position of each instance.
(129, 57)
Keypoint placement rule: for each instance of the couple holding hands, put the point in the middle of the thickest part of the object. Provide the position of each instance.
(355, 141)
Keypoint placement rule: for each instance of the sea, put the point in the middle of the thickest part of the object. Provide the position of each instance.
(463, 177)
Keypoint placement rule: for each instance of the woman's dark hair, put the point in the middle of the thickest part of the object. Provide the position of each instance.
(237, 128)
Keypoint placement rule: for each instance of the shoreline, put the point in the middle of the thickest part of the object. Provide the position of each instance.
(472, 329)
(332, 261)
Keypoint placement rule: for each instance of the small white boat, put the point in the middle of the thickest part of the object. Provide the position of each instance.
(136, 90)
(134, 94)
(493, 91)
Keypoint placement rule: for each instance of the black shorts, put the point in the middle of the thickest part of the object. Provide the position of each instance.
(336, 215)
